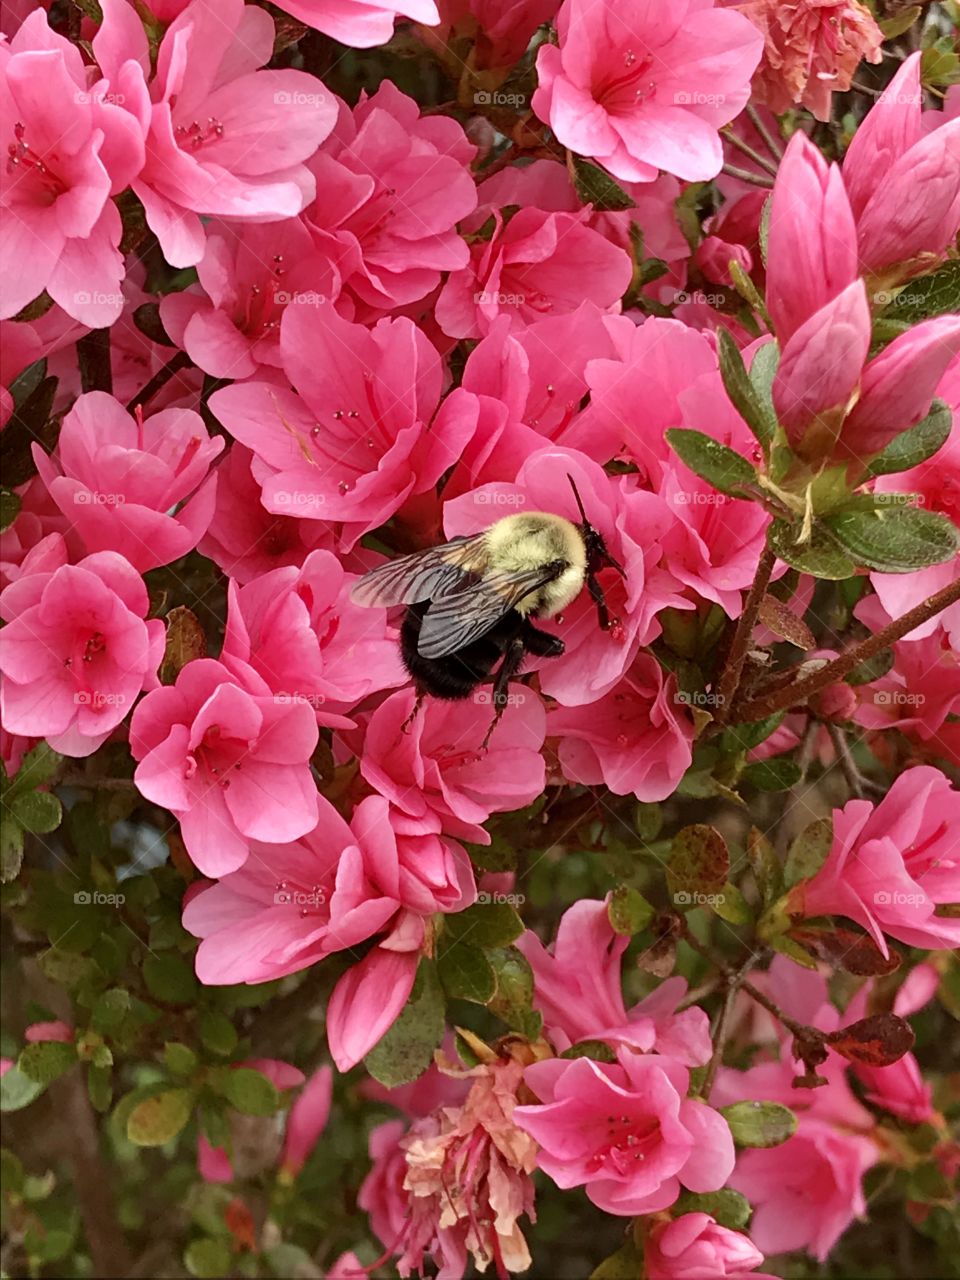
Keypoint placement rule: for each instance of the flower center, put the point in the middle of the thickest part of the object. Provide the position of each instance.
(633, 84)
(264, 303)
(45, 185)
(191, 137)
(628, 1141)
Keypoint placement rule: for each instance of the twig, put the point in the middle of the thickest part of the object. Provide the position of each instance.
(799, 1029)
(733, 669)
(858, 784)
(747, 150)
(776, 150)
(173, 366)
(93, 354)
(758, 179)
(734, 982)
(798, 693)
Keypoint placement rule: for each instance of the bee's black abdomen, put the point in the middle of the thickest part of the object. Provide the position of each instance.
(456, 675)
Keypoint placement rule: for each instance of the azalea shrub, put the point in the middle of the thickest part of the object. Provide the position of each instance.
(642, 966)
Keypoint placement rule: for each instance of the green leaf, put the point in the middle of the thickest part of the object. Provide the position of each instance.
(732, 906)
(513, 1002)
(900, 22)
(819, 555)
(595, 186)
(100, 1087)
(169, 977)
(936, 294)
(217, 1032)
(712, 461)
(9, 507)
(598, 1050)
(748, 291)
(11, 848)
(37, 811)
(628, 910)
(775, 774)
(765, 865)
(728, 1207)
(179, 1058)
(485, 925)
(156, 1120)
(186, 641)
(17, 1090)
(940, 68)
(110, 1011)
(787, 947)
(744, 737)
(250, 1091)
(466, 973)
(207, 1258)
(750, 393)
(625, 1264)
(759, 1124)
(47, 1060)
(916, 445)
(406, 1050)
(895, 540)
(38, 767)
(808, 852)
(699, 860)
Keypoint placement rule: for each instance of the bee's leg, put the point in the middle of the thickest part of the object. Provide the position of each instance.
(607, 623)
(405, 727)
(541, 643)
(511, 664)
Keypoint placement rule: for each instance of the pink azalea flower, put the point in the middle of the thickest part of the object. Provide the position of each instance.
(302, 634)
(695, 1247)
(118, 477)
(306, 1122)
(918, 693)
(536, 263)
(900, 1088)
(820, 369)
(56, 1030)
(632, 523)
(642, 87)
(230, 324)
(898, 149)
(435, 775)
(245, 539)
(354, 444)
(812, 49)
(287, 907)
(230, 761)
(69, 149)
(76, 650)
(577, 989)
(222, 137)
(455, 1185)
(812, 250)
(392, 184)
(369, 998)
(892, 864)
(626, 1131)
(635, 738)
(359, 23)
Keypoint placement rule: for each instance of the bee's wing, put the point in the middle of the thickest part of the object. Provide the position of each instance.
(424, 575)
(457, 619)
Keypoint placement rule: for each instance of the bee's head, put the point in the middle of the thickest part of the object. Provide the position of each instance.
(598, 557)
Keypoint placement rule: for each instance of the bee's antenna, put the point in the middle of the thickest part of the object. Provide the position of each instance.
(576, 494)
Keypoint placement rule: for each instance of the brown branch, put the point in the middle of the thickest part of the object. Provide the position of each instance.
(776, 149)
(173, 366)
(747, 150)
(734, 982)
(93, 356)
(758, 179)
(798, 693)
(733, 669)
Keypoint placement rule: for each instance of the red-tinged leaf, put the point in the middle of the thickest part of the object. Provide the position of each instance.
(878, 1041)
(855, 953)
(776, 617)
(699, 859)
